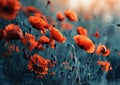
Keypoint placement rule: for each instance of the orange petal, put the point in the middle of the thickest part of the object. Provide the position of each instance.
(52, 44)
(107, 53)
(38, 23)
(71, 15)
(29, 39)
(85, 43)
(105, 65)
(81, 31)
(33, 44)
(57, 35)
(60, 16)
(102, 49)
(44, 39)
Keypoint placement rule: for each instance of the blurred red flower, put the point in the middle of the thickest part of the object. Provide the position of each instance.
(9, 9)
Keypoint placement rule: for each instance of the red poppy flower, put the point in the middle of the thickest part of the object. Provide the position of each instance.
(9, 8)
(87, 17)
(81, 31)
(102, 49)
(106, 53)
(44, 39)
(57, 35)
(71, 15)
(38, 64)
(39, 23)
(60, 16)
(85, 43)
(38, 15)
(66, 26)
(41, 16)
(29, 39)
(97, 35)
(105, 65)
(13, 32)
(30, 9)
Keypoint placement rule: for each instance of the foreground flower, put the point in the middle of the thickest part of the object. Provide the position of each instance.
(84, 43)
(9, 9)
(38, 65)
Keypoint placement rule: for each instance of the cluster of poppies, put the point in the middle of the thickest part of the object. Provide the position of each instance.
(69, 14)
(85, 43)
(39, 22)
(38, 64)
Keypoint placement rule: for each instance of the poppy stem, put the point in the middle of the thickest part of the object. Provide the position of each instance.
(88, 66)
